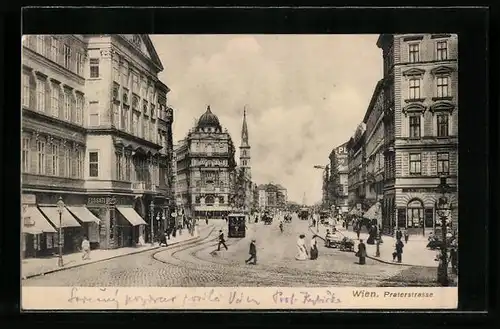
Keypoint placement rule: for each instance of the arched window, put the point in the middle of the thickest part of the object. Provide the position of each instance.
(415, 213)
(209, 199)
(209, 148)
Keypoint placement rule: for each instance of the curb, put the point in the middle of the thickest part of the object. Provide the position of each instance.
(378, 259)
(104, 259)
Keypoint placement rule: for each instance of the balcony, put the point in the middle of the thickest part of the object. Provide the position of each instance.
(141, 187)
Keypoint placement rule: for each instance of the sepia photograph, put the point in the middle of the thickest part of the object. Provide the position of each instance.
(306, 168)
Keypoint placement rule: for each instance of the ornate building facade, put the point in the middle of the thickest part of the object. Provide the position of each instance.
(420, 127)
(206, 168)
(243, 184)
(96, 132)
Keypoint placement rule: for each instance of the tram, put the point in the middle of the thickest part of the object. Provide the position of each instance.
(236, 225)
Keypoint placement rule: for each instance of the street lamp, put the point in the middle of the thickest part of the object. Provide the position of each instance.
(151, 210)
(60, 209)
(443, 208)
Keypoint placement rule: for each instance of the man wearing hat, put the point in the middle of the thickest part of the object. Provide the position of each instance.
(253, 253)
(221, 241)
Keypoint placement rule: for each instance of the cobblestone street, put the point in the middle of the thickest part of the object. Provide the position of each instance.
(196, 264)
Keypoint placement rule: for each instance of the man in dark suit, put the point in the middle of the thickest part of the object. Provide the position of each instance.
(221, 241)
(253, 253)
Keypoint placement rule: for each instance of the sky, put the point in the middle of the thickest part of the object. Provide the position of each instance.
(304, 95)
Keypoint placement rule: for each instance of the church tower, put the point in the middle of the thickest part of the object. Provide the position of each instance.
(245, 146)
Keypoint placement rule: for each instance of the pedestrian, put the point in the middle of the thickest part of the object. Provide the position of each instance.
(281, 226)
(206, 220)
(407, 236)
(314, 248)
(454, 256)
(253, 253)
(85, 248)
(358, 230)
(221, 240)
(301, 248)
(399, 250)
(399, 235)
(361, 253)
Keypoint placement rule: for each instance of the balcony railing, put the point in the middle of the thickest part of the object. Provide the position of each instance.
(143, 186)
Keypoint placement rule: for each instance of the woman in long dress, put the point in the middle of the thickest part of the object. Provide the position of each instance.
(314, 248)
(301, 248)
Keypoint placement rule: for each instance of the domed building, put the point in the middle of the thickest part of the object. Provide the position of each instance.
(205, 167)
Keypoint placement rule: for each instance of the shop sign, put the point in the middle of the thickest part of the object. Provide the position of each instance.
(94, 201)
(28, 199)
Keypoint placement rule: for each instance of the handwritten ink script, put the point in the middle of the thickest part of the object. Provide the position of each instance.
(114, 298)
(305, 298)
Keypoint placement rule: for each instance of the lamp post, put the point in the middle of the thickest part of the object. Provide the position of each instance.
(151, 222)
(60, 209)
(443, 208)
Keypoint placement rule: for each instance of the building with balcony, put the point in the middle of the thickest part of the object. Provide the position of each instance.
(205, 169)
(272, 197)
(374, 142)
(96, 132)
(356, 169)
(420, 127)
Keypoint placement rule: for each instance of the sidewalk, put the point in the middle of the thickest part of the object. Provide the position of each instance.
(40, 266)
(415, 252)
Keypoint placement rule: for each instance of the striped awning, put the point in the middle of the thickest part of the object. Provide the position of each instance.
(67, 218)
(83, 214)
(374, 212)
(131, 216)
(34, 222)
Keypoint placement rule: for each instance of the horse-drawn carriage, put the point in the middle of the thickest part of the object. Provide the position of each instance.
(304, 214)
(267, 219)
(337, 240)
(288, 218)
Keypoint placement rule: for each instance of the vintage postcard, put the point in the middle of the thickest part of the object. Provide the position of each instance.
(239, 171)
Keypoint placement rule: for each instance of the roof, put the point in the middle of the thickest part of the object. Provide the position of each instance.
(208, 119)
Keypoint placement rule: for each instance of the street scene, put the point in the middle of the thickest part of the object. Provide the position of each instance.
(239, 160)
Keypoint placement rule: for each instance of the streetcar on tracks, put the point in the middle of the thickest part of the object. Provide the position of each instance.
(236, 225)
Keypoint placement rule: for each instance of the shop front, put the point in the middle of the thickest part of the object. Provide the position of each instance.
(41, 209)
(119, 223)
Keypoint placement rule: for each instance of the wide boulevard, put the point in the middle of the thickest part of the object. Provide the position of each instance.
(198, 264)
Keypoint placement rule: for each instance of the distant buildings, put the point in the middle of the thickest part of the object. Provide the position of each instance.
(272, 196)
(96, 132)
(206, 169)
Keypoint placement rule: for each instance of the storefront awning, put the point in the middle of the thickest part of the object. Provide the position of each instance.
(35, 223)
(131, 216)
(53, 215)
(374, 212)
(83, 214)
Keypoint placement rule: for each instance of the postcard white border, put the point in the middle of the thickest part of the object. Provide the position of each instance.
(219, 298)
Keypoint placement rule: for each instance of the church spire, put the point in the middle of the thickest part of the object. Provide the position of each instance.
(244, 129)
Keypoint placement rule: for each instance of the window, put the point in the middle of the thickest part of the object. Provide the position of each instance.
(441, 50)
(442, 86)
(116, 115)
(26, 89)
(135, 83)
(67, 57)
(54, 101)
(443, 163)
(135, 124)
(128, 167)
(79, 63)
(124, 119)
(415, 214)
(55, 159)
(442, 125)
(124, 75)
(93, 164)
(119, 173)
(40, 44)
(414, 88)
(143, 89)
(116, 72)
(54, 49)
(79, 109)
(67, 106)
(26, 155)
(93, 114)
(79, 163)
(94, 67)
(415, 164)
(40, 94)
(414, 53)
(145, 124)
(414, 126)
(67, 161)
(40, 148)
(429, 217)
(74, 163)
